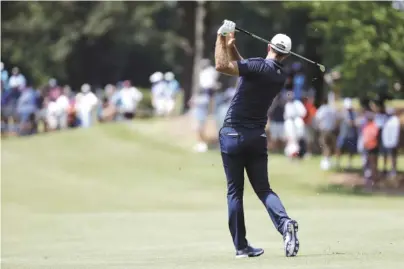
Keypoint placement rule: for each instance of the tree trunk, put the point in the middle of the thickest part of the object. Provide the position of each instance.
(188, 32)
(199, 44)
(209, 34)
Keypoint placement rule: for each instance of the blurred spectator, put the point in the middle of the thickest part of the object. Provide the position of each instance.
(17, 80)
(54, 91)
(391, 138)
(26, 107)
(113, 95)
(114, 99)
(348, 136)
(208, 78)
(380, 118)
(309, 131)
(294, 125)
(41, 109)
(9, 97)
(4, 78)
(173, 87)
(325, 120)
(63, 104)
(52, 113)
(73, 120)
(361, 121)
(159, 91)
(208, 83)
(108, 111)
(130, 97)
(371, 145)
(276, 123)
(298, 80)
(86, 101)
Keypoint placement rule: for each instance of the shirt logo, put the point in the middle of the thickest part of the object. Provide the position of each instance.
(279, 71)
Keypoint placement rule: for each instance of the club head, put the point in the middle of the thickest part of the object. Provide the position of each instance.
(322, 67)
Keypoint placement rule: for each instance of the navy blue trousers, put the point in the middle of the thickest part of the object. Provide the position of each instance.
(244, 148)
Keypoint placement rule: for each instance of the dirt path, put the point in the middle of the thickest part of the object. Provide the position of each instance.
(355, 180)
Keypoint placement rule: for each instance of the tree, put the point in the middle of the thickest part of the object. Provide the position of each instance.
(365, 38)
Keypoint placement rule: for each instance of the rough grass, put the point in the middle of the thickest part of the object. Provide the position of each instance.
(133, 196)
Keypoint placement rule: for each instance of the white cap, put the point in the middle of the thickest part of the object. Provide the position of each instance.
(281, 43)
(347, 103)
(156, 77)
(85, 88)
(169, 76)
(52, 82)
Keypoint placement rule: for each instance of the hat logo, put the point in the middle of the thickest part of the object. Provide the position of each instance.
(280, 46)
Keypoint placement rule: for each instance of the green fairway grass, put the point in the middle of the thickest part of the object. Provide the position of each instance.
(133, 196)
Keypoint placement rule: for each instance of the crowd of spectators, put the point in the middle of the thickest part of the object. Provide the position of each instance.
(371, 130)
(27, 111)
(295, 126)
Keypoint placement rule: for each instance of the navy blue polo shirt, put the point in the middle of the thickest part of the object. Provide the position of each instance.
(261, 80)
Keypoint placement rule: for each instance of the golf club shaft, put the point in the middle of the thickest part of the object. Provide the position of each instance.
(322, 68)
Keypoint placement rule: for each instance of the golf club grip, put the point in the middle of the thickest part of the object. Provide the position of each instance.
(244, 31)
(252, 35)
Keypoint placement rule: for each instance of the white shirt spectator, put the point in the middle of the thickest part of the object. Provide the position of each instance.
(130, 97)
(326, 118)
(85, 102)
(294, 110)
(52, 108)
(208, 78)
(294, 124)
(52, 112)
(391, 132)
(17, 81)
(62, 103)
(159, 89)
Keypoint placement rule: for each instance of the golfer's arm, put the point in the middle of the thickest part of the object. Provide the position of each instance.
(222, 60)
(234, 54)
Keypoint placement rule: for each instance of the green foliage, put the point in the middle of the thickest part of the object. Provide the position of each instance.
(366, 38)
(104, 42)
(75, 39)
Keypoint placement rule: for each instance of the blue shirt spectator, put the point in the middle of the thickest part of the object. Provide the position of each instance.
(298, 84)
(4, 77)
(298, 80)
(173, 87)
(27, 102)
(172, 84)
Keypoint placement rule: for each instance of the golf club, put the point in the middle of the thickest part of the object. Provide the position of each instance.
(322, 67)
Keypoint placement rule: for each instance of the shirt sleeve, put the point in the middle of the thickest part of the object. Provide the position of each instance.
(250, 66)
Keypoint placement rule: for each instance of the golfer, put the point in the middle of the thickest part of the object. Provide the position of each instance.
(243, 142)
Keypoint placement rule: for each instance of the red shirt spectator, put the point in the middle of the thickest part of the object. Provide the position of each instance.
(370, 135)
(311, 111)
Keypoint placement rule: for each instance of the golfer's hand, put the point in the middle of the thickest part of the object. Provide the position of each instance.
(226, 28)
(231, 40)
